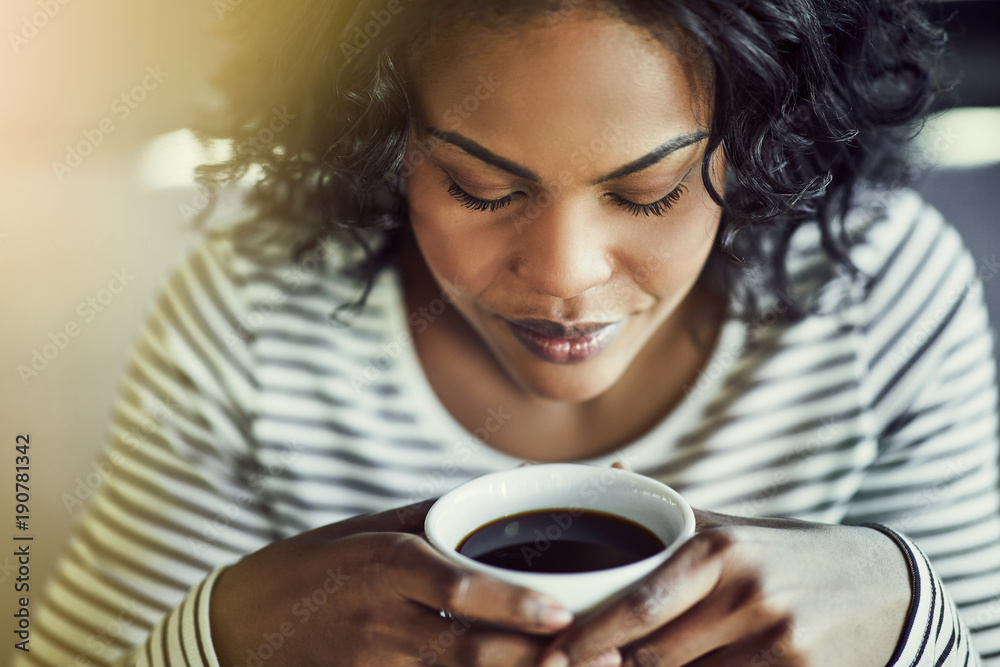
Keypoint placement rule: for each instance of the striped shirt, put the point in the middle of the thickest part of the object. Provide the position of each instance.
(246, 416)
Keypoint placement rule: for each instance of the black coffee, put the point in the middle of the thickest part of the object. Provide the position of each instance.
(560, 540)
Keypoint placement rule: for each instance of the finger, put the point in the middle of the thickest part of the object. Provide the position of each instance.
(425, 576)
(770, 647)
(406, 519)
(688, 577)
(705, 520)
(703, 629)
(465, 642)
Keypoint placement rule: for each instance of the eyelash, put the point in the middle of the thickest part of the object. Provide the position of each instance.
(475, 203)
(658, 207)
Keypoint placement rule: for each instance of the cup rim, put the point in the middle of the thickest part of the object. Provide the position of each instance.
(687, 524)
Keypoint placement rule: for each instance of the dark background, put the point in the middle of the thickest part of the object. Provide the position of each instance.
(969, 197)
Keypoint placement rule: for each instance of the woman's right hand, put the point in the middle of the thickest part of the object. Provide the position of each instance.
(369, 591)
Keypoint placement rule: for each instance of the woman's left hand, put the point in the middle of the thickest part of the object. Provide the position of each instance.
(754, 593)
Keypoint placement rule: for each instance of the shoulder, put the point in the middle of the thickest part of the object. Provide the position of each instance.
(256, 267)
(915, 303)
(904, 254)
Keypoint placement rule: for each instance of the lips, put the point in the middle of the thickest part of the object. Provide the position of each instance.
(562, 344)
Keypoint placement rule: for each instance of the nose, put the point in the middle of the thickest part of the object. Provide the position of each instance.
(564, 252)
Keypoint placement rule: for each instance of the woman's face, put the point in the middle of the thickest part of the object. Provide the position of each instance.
(554, 187)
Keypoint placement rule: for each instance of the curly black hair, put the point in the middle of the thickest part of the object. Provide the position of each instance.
(813, 99)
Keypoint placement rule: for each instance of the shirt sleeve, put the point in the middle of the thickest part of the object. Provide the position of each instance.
(171, 503)
(931, 388)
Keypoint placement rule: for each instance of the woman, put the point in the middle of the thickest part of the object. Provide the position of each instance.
(668, 235)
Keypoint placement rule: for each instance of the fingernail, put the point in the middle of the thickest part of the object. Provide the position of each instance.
(557, 659)
(554, 616)
(610, 659)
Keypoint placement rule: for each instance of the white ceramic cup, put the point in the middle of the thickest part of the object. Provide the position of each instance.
(562, 486)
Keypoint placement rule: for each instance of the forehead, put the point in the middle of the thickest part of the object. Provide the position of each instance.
(538, 95)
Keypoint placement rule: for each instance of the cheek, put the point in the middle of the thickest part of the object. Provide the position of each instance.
(454, 247)
(670, 253)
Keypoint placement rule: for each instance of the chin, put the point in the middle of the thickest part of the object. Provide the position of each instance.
(576, 383)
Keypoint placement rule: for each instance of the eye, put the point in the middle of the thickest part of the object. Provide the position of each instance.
(475, 203)
(658, 207)
(471, 202)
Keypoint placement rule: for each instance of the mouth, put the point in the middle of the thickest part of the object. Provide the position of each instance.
(561, 344)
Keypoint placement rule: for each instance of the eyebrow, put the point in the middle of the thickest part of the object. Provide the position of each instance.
(484, 154)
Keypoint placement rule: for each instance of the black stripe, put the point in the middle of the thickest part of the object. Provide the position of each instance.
(919, 354)
(175, 498)
(299, 311)
(127, 533)
(53, 638)
(295, 499)
(785, 488)
(340, 428)
(179, 302)
(65, 583)
(965, 551)
(55, 607)
(298, 340)
(918, 535)
(890, 516)
(905, 239)
(296, 519)
(117, 586)
(943, 482)
(314, 395)
(89, 540)
(936, 602)
(919, 267)
(919, 314)
(708, 428)
(911, 614)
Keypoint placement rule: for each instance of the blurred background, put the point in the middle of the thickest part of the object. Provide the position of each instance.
(97, 198)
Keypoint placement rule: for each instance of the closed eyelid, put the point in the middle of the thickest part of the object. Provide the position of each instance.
(624, 186)
(472, 183)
